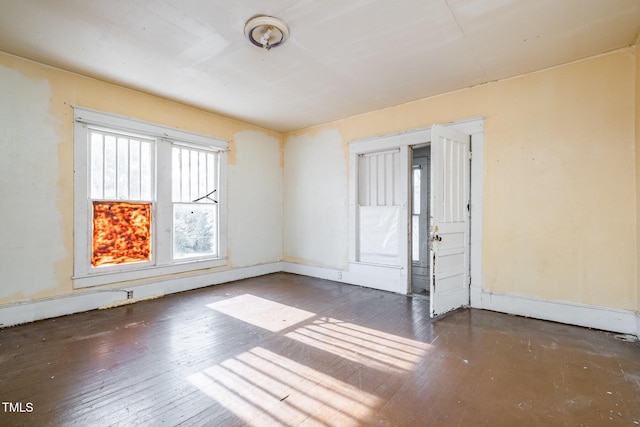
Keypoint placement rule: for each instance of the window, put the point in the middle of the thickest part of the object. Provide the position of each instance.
(195, 210)
(148, 200)
(415, 214)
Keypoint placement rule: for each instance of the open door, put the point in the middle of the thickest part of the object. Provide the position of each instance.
(450, 189)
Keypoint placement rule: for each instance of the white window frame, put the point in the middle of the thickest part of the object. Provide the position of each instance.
(162, 262)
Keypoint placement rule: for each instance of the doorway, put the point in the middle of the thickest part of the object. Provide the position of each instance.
(440, 220)
(420, 221)
(447, 243)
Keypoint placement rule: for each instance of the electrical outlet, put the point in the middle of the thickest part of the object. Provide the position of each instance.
(129, 294)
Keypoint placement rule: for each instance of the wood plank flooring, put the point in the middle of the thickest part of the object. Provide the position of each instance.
(290, 350)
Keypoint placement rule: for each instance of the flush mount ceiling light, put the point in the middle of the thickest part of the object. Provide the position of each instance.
(266, 31)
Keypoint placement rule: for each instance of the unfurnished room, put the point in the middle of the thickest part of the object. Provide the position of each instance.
(320, 213)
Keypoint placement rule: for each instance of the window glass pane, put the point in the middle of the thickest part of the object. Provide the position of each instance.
(202, 174)
(415, 238)
(145, 171)
(109, 167)
(97, 171)
(175, 174)
(211, 172)
(195, 215)
(120, 168)
(121, 233)
(194, 230)
(134, 169)
(184, 164)
(123, 169)
(416, 191)
(194, 176)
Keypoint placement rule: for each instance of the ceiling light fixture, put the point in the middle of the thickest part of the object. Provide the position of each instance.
(266, 31)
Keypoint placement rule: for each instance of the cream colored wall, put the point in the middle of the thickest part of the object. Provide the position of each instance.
(316, 197)
(36, 184)
(559, 178)
(255, 199)
(560, 190)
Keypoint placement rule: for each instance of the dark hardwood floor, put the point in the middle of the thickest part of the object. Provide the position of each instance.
(290, 350)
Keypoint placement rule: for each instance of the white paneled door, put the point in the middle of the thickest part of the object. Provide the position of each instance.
(450, 191)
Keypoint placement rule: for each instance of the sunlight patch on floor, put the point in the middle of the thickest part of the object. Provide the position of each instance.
(261, 312)
(370, 347)
(265, 388)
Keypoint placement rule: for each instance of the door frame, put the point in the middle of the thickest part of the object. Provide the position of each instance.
(424, 200)
(396, 279)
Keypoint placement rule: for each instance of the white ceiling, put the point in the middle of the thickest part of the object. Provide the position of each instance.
(344, 57)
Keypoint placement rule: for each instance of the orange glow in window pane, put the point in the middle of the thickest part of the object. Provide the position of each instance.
(121, 233)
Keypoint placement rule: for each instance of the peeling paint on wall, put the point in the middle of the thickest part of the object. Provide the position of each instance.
(29, 218)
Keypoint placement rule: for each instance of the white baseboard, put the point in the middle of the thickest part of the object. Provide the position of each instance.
(383, 279)
(312, 271)
(475, 296)
(15, 314)
(608, 319)
(604, 318)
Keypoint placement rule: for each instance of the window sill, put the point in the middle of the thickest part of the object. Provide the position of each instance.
(102, 278)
